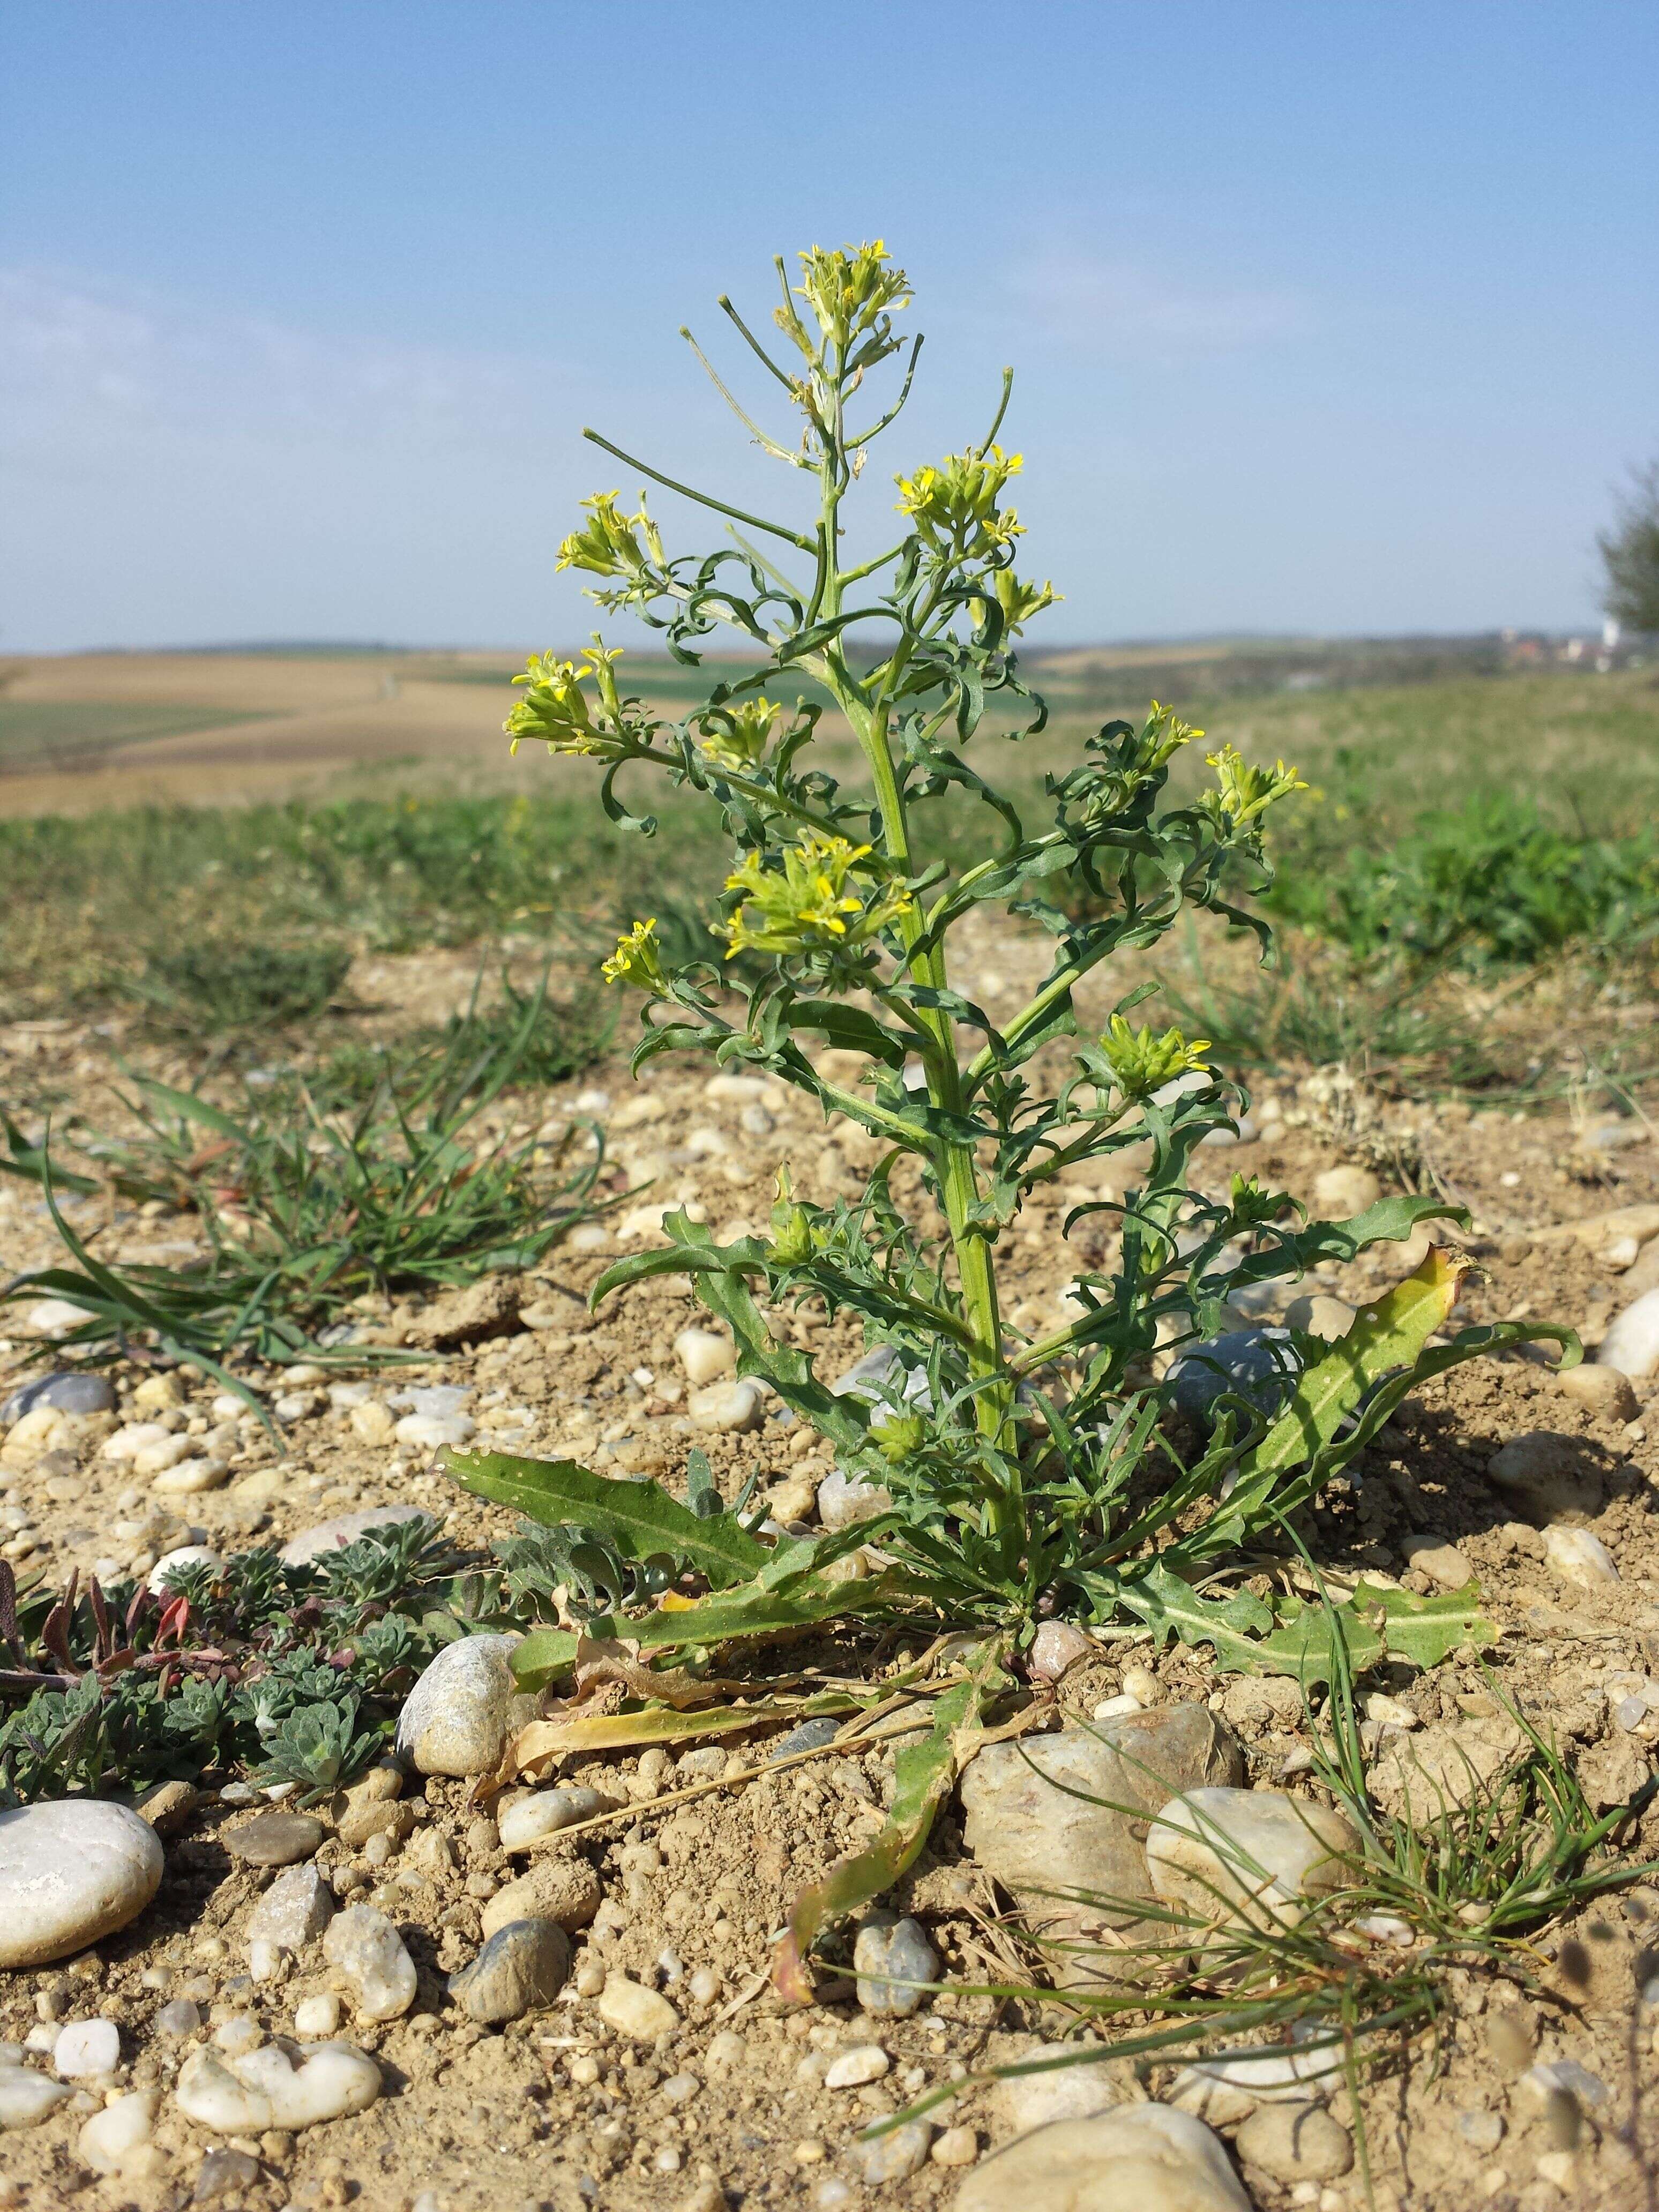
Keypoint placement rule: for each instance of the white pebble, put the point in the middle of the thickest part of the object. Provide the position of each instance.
(1579, 1557)
(266, 2089)
(864, 2061)
(317, 2018)
(725, 1408)
(110, 2138)
(703, 1353)
(1631, 1345)
(85, 2048)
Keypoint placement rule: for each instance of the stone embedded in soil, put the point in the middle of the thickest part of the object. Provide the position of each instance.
(294, 1911)
(1580, 1557)
(62, 1394)
(373, 1423)
(264, 2089)
(805, 1735)
(566, 1890)
(1218, 2088)
(184, 1555)
(1149, 2156)
(26, 2097)
(1631, 1345)
(366, 1949)
(895, 2156)
(1260, 1364)
(110, 2140)
(1341, 1192)
(489, 1308)
(344, 1528)
(454, 1720)
(224, 2173)
(634, 2011)
(426, 1431)
(1256, 1855)
(71, 1869)
(1601, 1389)
(1611, 1772)
(1043, 1817)
(726, 1408)
(1443, 1769)
(521, 1968)
(703, 1354)
(179, 2016)
(845, 1499)
(316, 2019)
(1296, 2142)
(1440, 1562)
(894, 1962)
(1320, 1315)
(1073, 2090)
(86, 2048)
(850, 2070)
(1548, 1470)
(274, 1839)
(1057, 1646)
(545, 1812)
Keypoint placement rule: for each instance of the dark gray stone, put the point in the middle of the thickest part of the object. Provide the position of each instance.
(522, 1967)
(65, 1394)
(810, 1736)
(1257, 1364)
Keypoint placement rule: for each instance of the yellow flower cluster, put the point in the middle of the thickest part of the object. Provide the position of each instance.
(558, 711)
(1142, 1063)
(956, 504)
(736, 737)
(1246, 791)
(809, 905)
(637, 959)
(607, 544)
(846, 288)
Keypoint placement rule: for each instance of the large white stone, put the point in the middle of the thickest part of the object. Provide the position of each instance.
(1255, 1854)
(71, 1870)
(111, 2140)
(26, 2097)
(703, 1353)
(344, 1528)
(366, 1951)
(1148, 2157)
(263, 2089)
(454, 1721)
(1631, 1345)
(1579, 1556)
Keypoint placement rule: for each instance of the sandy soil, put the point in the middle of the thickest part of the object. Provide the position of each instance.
(561, 2111)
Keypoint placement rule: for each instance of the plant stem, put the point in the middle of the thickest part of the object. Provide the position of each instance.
(953, 1161)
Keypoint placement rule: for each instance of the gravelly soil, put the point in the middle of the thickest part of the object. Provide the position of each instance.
(560, 2110)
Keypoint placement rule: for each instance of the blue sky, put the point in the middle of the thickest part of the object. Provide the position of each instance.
(1334, 317)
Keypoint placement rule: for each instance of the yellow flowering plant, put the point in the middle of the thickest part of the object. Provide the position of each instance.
(1031, 1470)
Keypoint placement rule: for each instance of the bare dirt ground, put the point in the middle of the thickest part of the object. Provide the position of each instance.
(730, 2107)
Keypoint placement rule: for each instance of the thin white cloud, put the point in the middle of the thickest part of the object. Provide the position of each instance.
(1083, 298)
(79, 362)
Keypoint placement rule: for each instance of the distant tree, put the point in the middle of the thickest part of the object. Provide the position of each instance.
(1630, 554)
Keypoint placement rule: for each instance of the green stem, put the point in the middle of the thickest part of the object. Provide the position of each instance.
(953, 1162)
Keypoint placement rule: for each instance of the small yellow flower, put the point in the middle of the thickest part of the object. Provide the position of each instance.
(956, 504)
(846, 288)
(607, 545)
(1142, 1063)
(809, 905)
(736, 737)
(558, 710)
(1017, 601)
(637, 959)
(1246, 791)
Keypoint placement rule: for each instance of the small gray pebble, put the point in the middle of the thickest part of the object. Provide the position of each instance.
(180, 2017)
(224, 2173)
(1256, 1364)
(810, 1736)
(887, 1955)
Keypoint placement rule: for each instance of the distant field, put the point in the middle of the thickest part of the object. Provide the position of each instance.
(90, 730)
(64, 732)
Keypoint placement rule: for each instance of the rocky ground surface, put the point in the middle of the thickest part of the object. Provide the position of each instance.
(407, 1999)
